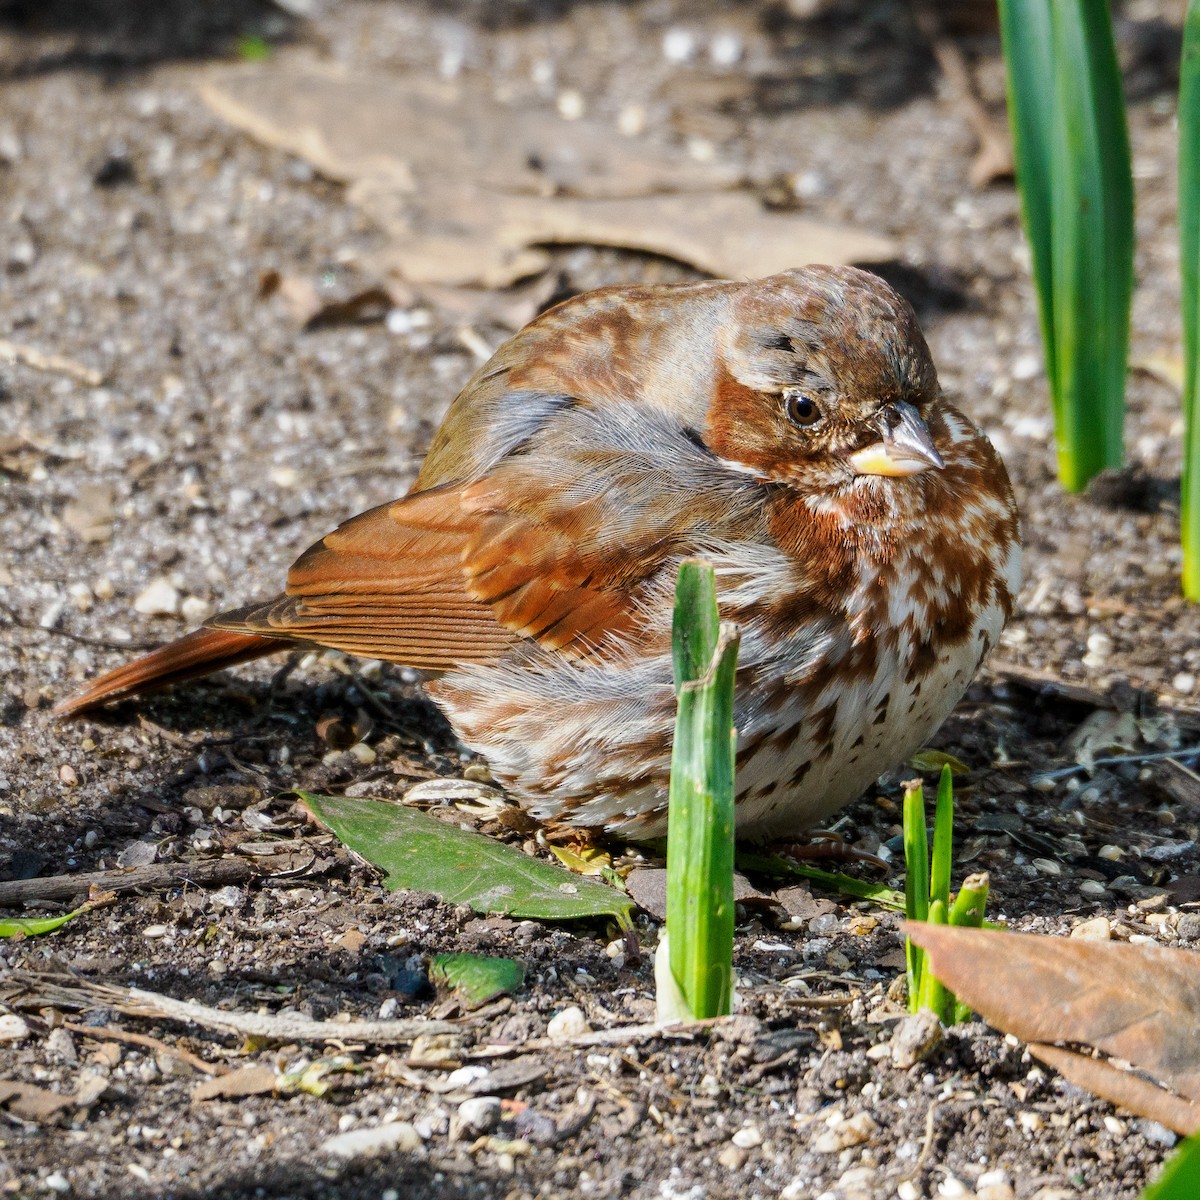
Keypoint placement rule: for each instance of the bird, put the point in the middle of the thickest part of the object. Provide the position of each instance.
(791, 431)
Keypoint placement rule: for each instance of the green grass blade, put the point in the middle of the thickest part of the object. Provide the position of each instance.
(1180, 1178)
(1074, 173)
(1029, 75)
(932, 993)
(1091, 212)
(916, 883)
(1189, 266)
(968, 907)
(700, 824)
(943, 840)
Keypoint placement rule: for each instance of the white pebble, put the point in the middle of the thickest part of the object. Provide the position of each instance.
(480, 1114)
(58, 1182)
(12, 1028)
(725, 49)
(747, 1137)
(1184, 682)
(196, 609)
(159, 599)
(571, 105)
(679, 45)
(569, 1023)
(154, 931)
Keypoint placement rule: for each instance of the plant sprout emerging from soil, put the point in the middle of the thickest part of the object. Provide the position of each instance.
(1075, 179)
(694, 965)
(1189, 266)
(927, 894)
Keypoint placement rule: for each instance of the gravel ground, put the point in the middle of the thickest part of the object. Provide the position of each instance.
(216, 440)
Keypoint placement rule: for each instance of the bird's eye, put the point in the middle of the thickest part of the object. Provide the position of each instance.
(801, 409)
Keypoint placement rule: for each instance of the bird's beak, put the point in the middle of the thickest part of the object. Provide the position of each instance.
(905, 447)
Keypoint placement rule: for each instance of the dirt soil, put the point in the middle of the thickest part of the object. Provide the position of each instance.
(217, 439)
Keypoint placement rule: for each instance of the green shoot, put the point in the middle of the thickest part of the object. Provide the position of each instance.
(695, 959)
(1074, 175)
(1189, 265)
(927, 894)
(1180, 1178)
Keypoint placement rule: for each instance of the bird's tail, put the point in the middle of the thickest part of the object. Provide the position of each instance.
(198, 653)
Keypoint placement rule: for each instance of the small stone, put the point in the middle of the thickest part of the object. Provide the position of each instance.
(1047, 866)
(679, 46)
(60, 1045)
(952, 1189)
(733, 1158)
(480, 1114)
(374, 1142)
(747, 1137)
(158, 599)
(570, 1023)
(1093, 888)
(1098, 929)
(1188, 926)
(57, 1182)
(362, 752)
(571, 105)
(914, 1037)
(66, 773)
(195, 609)
(155, 931)
(631, 120)
(1184, 682)
(1031, 1122)
(725, 49)
(12, 1028)
(842, 1132)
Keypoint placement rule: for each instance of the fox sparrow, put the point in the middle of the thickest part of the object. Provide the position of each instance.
(791, 431)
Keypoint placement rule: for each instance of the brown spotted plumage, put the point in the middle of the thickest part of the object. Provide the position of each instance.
(791, 431)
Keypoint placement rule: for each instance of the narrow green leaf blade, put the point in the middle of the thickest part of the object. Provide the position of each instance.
(943, 840)
(916, 883)
(1029, 76)
(1189, 266)
(1180, 1179)
(32, 926)
(700, 821)
(421, 853)
(1091, 212)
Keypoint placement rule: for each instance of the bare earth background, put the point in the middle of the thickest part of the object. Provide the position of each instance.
(198, 436)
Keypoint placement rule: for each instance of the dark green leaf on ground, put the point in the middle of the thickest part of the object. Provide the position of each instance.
(422, 853)
(476, 978)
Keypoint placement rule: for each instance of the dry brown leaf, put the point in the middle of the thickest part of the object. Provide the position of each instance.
(1122, 1087)
(31, 1103)
(247, 1081)
(471, 191)
(648, 887)
(1139, 1003)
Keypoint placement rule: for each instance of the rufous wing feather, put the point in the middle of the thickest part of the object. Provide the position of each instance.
(199, 653)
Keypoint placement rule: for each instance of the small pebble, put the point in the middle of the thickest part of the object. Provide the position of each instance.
(1092, 887)
(1188, 926)
(158, 599)
(914, 1037)
(569, 1023)
(747, 1137)
(1047, 866)
(842, 1133)
(725, 49)
(480, 1114)
(679, 46)
(154, 931)
(571, 105)
(733, 1158)
(57, 1182)
(374, 1142)
(196, 609)
(1184, 682)
(1097, 929)
(12, 1028)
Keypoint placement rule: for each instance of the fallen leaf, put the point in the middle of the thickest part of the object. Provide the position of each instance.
(586, 860)
(425, 854)
(1139, 1003)
(476, 978)
(471, 191)
(31, 1103)
(246, 1081)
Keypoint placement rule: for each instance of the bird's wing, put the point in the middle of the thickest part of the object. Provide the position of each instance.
(556, 544)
